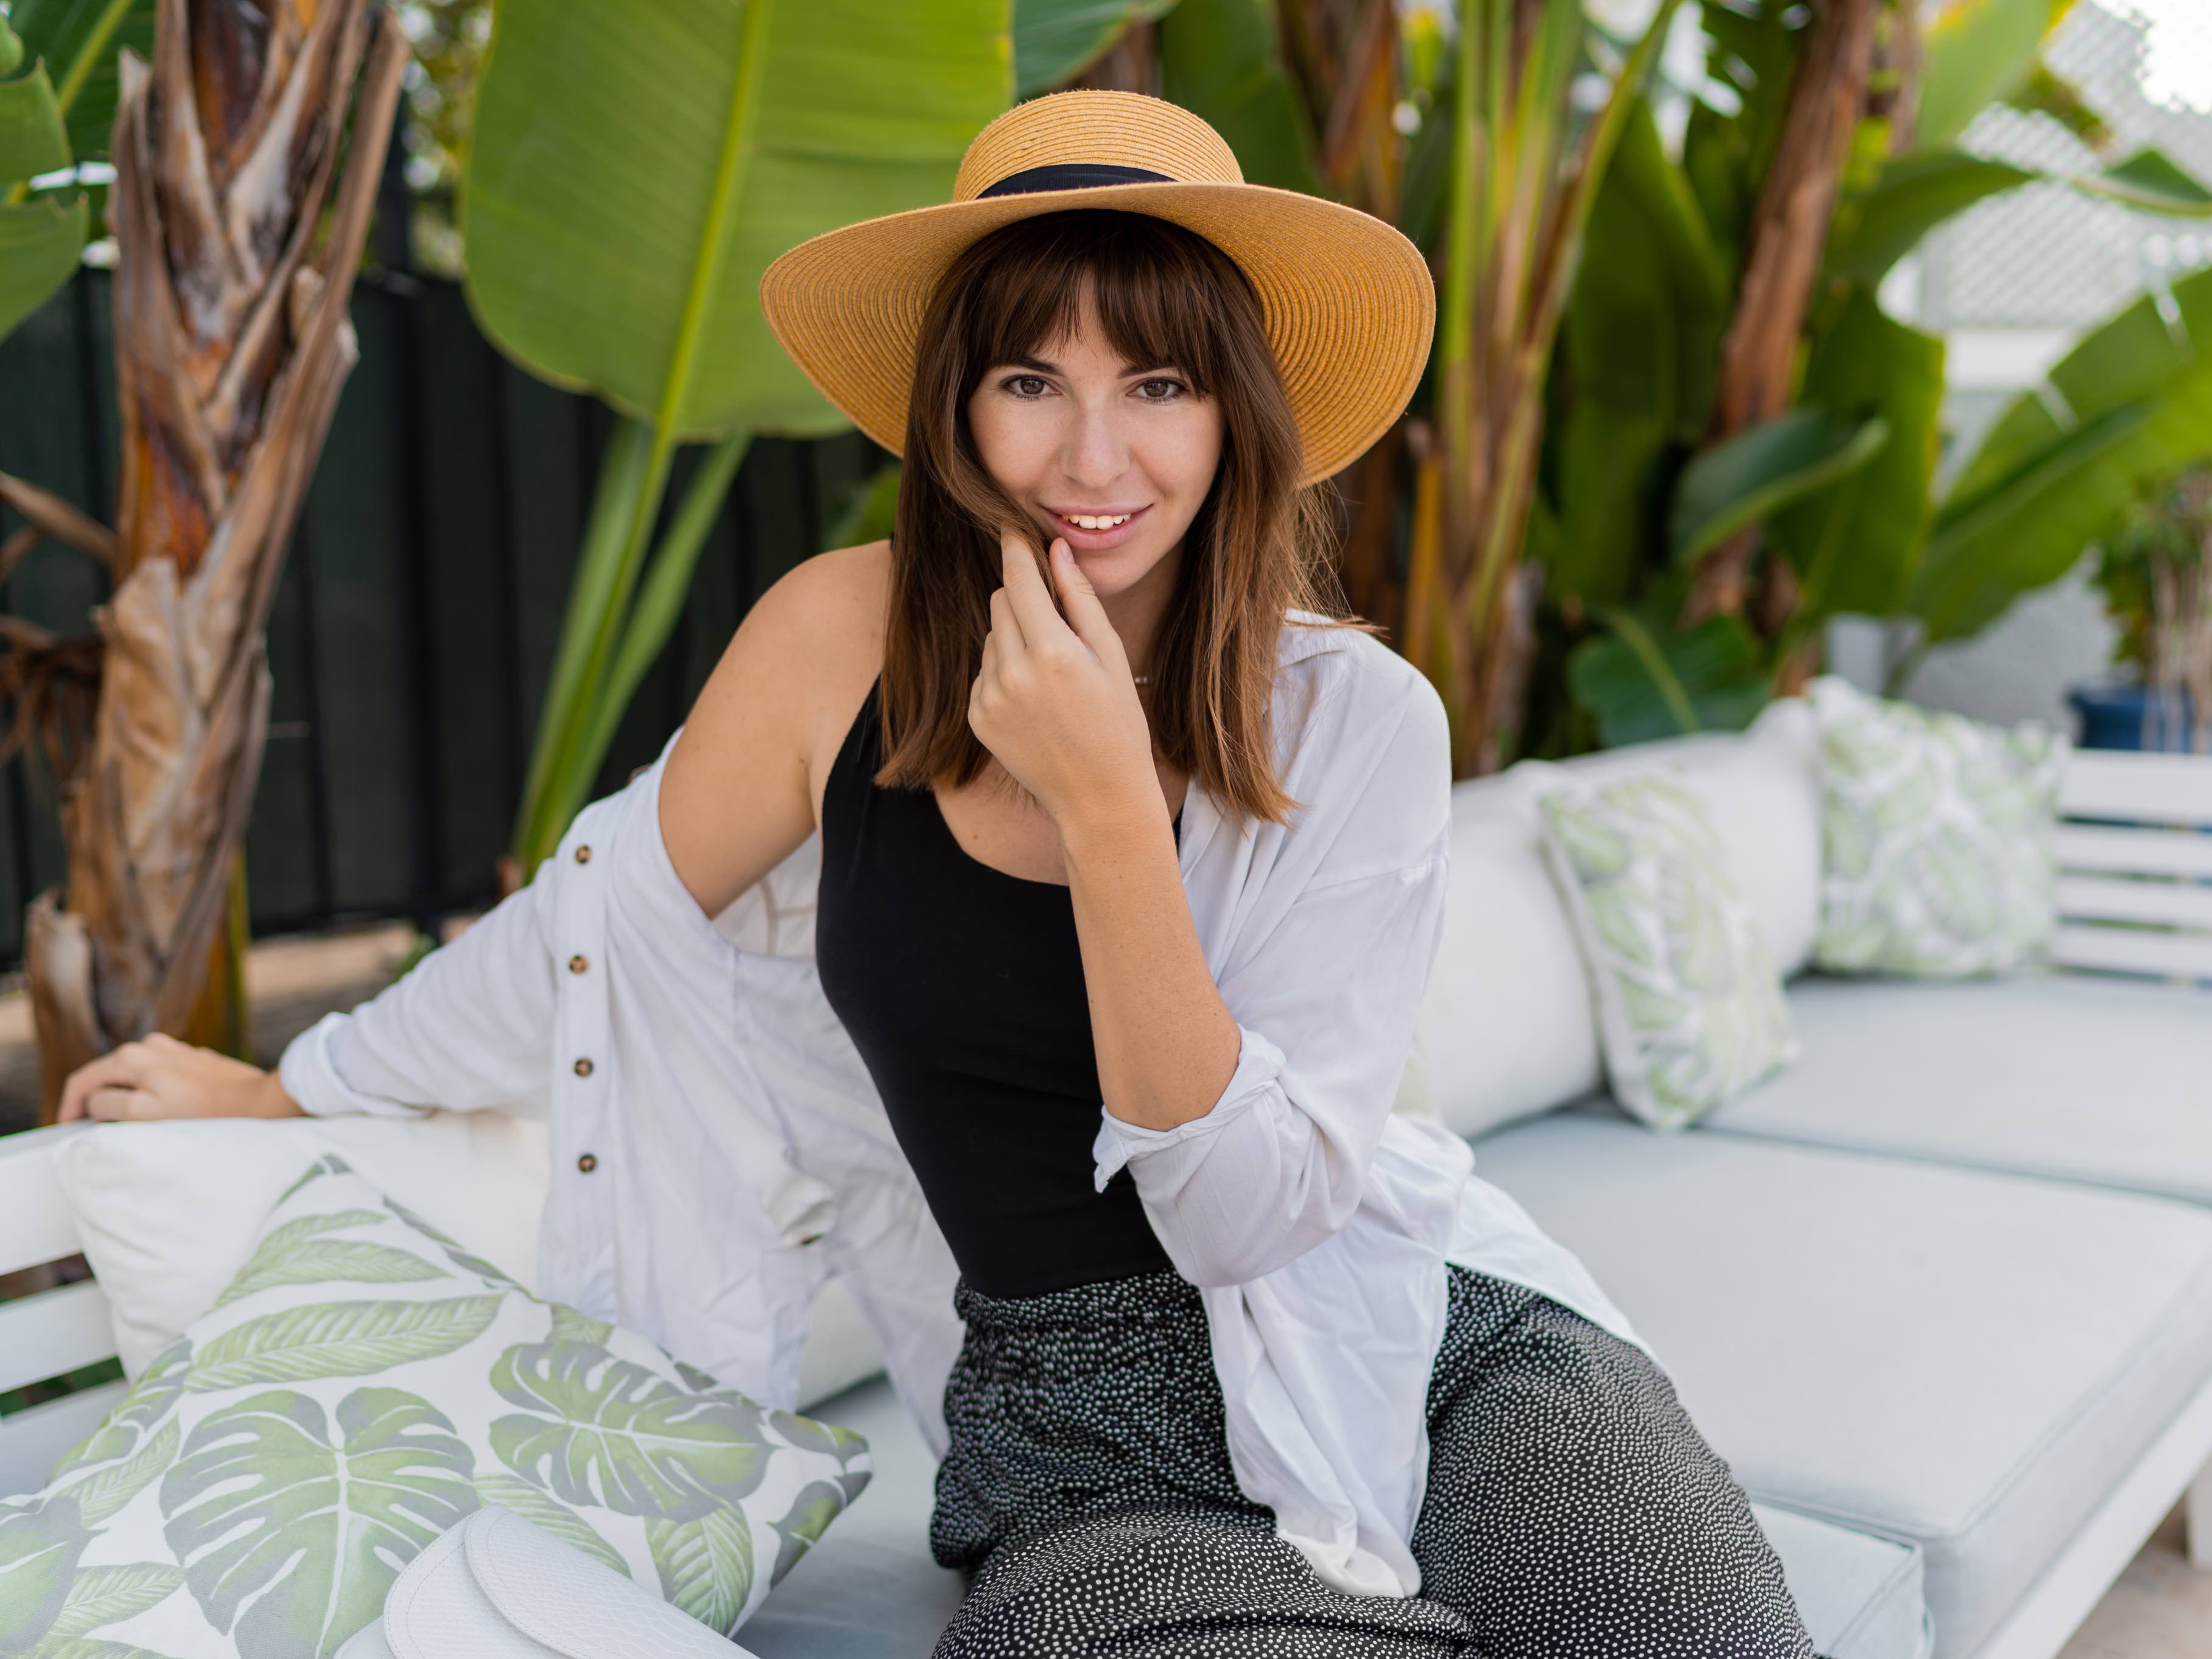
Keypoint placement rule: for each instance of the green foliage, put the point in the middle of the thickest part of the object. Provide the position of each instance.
(631, 173)
(2167, 532)
(1220, 59)
(2133, 401)
(1915, 193)
(1975, 52)
(1645, 677)
(1055, 40)
(39, 241)
(80, 41)
(1744, 481)
(1853, 544)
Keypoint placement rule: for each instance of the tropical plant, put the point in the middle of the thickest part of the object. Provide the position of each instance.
(2155, 573)
(1716, 503)
(631, 173)
(237, 234)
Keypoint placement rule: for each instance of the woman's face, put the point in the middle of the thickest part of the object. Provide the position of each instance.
(1074, 432)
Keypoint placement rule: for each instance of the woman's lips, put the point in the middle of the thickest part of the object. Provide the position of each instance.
(1097, 541)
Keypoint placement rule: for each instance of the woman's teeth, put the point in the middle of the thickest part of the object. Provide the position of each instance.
(1089, 521)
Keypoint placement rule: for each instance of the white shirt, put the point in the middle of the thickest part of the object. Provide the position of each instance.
(718, 1148)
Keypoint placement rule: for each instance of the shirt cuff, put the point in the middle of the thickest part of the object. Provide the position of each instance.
(310, 1077)
(1259, 1062)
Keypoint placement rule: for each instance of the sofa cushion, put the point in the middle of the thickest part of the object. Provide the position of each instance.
(1860, 1595)
(1689, 1008)
(1965, 1360)
(869, 1590)
(1506, 1027)
(2101, 1080)
(1937, 855)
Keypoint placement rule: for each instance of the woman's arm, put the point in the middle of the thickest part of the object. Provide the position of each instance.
(1247, 1108)
(468, 1027)
(1055, 702)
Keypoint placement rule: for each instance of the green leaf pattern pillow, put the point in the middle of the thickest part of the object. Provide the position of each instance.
(1937, 839)
(363, 1385)
(1691, 1010)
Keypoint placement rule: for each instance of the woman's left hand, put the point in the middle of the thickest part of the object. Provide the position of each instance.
(1054, 700)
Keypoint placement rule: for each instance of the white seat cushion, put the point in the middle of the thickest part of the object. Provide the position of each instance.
(869, 1590)
(1965, 1360)
(2099, 1080)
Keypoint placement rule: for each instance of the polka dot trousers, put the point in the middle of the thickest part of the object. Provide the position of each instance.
(1573, 1510)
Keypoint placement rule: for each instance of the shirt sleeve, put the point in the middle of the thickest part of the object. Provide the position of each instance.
(465, 1030)
(1325, 1005)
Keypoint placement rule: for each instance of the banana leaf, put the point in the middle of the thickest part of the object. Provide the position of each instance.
(1644, 679)
(1918, 192)
(1854, 545)
(2131, 401)
(633, 171)
(1756, 473)
(1220, 59)
(39, 241)
(80, 39)
(1974, 52)
(1055, 40)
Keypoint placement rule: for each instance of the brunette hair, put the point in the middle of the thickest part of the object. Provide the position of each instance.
(1259, 545)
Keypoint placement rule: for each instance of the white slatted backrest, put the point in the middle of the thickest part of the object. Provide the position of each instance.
(2135, 860)
(53, 1331)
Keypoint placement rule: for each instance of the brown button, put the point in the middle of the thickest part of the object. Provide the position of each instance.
(578, 963)
(587, 1164)
(583, 855)
(583, 1068)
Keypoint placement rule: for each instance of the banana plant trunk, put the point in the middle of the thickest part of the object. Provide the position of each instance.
(1782, 261)
(232, 343)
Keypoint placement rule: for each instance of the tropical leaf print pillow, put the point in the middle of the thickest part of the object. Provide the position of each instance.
(1937, 836)
(363, 1385)
(1689, 1008)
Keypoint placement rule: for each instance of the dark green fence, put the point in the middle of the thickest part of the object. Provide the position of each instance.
(415, 622)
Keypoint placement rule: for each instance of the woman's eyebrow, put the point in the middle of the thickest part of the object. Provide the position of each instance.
(1042, 366)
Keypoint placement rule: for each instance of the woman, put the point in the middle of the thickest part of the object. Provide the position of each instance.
(1132, 867)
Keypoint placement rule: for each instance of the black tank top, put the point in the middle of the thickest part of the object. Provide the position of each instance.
(962, 986)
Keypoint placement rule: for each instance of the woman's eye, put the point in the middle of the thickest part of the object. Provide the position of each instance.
(1025, 386)
(1168, 390)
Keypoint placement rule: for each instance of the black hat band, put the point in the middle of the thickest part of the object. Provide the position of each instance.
(1072, 175)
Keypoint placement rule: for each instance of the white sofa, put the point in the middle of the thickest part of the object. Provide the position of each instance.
(1941, 1293)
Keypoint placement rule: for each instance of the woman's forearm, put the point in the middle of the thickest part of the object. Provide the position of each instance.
(1166, 1043)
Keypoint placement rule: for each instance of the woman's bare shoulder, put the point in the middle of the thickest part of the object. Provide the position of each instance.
(739, 793)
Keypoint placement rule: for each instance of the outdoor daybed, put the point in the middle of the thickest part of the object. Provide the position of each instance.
(1941, 1291)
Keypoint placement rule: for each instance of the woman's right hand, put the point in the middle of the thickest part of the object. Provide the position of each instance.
(160, 1078)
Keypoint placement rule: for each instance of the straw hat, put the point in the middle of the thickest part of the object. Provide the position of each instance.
(1348, 301)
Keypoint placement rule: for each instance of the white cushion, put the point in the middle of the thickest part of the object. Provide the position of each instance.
(363, 1384)
(168, 1212)
(2091, 1079)
(1965, 1360)
(1506, 1026)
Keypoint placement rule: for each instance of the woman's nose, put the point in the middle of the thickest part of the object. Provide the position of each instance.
(1095, 453)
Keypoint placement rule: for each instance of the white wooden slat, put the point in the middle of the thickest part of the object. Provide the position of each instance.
(35, 1223)
(2113, 898)
(2104, 783)
(2137, 851)
(53, 1331)
(2133, 951)
(32, 1442)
